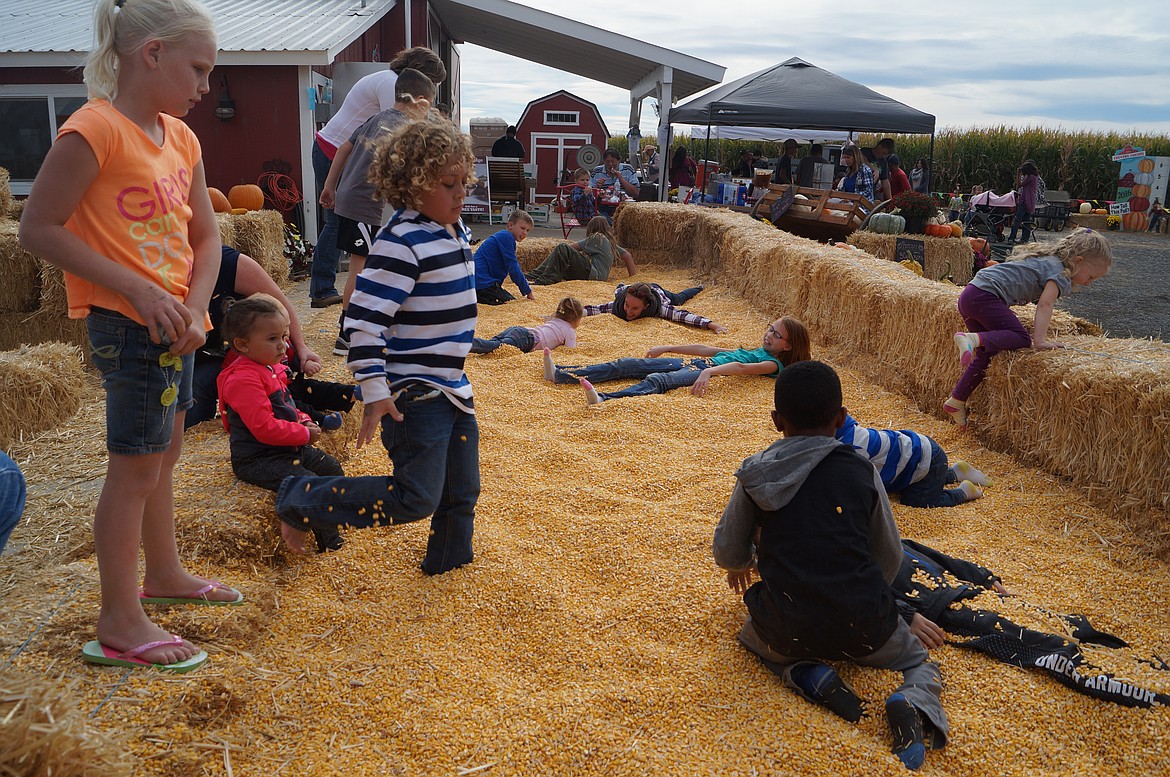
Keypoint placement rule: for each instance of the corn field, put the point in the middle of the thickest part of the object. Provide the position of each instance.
(1076, 162)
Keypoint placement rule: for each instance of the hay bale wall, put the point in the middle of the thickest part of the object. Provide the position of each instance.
(33, 306)
(40, 388)
(5, 192)
(945, 256)
(1097, 413)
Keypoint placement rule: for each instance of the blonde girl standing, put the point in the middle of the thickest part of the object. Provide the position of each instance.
(1039, 273)
(121, 206)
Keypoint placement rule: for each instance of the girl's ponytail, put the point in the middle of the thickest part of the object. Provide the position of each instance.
(101, 66)
(569, 310)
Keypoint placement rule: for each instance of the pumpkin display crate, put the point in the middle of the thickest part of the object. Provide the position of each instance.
(818, 214)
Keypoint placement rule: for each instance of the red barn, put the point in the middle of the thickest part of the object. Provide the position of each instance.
(552, 128)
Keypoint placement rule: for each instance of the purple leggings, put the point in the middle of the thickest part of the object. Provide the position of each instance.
(998, 328)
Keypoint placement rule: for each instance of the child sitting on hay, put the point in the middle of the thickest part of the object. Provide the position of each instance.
(812, 518)
(913, 465)
(270, 438)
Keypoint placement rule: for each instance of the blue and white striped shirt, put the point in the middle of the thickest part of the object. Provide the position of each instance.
(902, 458)
(412, 314)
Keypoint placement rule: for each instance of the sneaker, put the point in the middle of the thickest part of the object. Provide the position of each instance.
(819, 684)
(325, 300)
(328, 539)
(340, 346)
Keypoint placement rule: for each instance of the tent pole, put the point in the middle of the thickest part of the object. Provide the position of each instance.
(706, 156)
(930, 172)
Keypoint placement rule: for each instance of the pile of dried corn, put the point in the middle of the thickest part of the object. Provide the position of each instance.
(592, 635)
(897, 329)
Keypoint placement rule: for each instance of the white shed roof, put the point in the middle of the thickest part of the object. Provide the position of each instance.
(36, 33)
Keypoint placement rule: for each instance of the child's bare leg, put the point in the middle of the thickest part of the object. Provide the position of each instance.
(117, 528)
(356, 263)
(165, 575)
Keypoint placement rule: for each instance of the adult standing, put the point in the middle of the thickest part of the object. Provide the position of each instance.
(508, 145)
(651, 163)
(784, 165)
(920, 176)
(371, 94)
(682, 168)
(806, 172)
(899, 182)
(1026, 196)
(858, 175)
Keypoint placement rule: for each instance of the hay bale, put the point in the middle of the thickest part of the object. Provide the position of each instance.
(227, 228)
(945, 256)
(46, 731)
(20, 291)
(16, 209)
(260, 235)
(40, 388)
(5, 192)
(534, 250)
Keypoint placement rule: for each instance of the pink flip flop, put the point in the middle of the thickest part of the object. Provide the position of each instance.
(97, 653)
(195, 597)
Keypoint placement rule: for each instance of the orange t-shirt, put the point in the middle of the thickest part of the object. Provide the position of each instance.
(136, 211)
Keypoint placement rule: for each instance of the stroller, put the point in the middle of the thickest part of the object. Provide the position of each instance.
(990, 217)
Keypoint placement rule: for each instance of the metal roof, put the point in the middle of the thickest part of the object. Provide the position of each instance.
(36, 33)
(564, 44)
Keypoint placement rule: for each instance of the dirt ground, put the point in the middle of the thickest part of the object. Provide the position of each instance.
(1133, 300)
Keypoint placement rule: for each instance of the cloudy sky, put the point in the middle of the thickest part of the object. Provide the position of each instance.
(1076, 65)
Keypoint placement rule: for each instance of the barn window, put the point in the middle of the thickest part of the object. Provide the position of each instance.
(28, 124)
(562, 118)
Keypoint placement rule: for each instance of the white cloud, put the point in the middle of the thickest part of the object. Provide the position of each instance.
(1077, 65)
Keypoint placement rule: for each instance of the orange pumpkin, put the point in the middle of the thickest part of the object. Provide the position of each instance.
(1146, 166)
(246, 195)
(1134, 221)
(938, 230)
(218, 200)
(1141, 190)
(978, 244)
(956, 230)
(1139, 203)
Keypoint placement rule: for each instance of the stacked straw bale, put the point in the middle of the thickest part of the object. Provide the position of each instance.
(40, 387)
(945, 256)
(900, 327)
(5, 193)
(260, 235)
(21, 290)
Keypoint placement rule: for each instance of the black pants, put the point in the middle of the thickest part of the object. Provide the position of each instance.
(269, 468)
(493, 295)
(315, 398)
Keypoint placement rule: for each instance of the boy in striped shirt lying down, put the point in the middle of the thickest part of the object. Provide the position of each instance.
(914, 466)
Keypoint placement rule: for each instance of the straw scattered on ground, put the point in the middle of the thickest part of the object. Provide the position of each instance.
(592, 635)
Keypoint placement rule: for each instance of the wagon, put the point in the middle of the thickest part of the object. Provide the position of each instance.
(819, 214)
(1053, 215)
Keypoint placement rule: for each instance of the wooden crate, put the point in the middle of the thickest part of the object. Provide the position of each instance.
(824, 214)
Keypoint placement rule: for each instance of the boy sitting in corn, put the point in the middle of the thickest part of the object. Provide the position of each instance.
(812, 517)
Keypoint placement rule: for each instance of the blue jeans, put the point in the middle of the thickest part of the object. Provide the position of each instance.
(12, 494)
(145, 384)
(656, 376)
(930, 491)
(516, 336)
(323, 273)
(1022, 218)
(435, 453)
(679, 297)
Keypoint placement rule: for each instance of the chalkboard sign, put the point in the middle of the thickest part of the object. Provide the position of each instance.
(782, 203)
(909, 248)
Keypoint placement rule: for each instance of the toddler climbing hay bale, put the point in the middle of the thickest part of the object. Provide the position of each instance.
(40, 387)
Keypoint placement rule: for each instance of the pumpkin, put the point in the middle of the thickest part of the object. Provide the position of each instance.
(1100, 211)
(938, 230)
(887, 223)
(238, 211)
(246, 195)
(218, 200)
(1139, 204)
(1146, 166)
(1141, 190)
(978, 244)
(1086, 207)
(1134, 221)
(956, 229)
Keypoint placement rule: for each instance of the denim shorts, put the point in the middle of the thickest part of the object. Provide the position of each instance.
(145, 383)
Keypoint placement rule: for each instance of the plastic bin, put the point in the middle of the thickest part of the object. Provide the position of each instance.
(706, 172)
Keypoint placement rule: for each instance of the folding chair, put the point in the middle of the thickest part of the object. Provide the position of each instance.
(505, 182)
(564, 202)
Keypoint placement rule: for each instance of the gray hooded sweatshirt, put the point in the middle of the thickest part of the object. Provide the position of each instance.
(828, 548)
